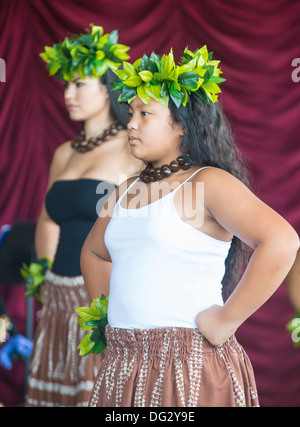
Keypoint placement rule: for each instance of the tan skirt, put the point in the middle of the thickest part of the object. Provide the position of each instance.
(172, 367)
(58, 376)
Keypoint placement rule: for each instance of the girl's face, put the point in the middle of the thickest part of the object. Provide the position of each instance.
(153, 137)
(86, 98)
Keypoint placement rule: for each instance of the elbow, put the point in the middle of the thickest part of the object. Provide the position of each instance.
(297, 242)
(283, 243)
(294, 240)
(289, 242)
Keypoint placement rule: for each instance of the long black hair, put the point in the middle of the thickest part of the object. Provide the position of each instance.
(209, 141)
(118, 111)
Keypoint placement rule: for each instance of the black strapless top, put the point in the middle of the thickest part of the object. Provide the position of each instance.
(74, 206)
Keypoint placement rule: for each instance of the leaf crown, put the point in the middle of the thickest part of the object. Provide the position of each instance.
(159, 78)
(89, 54)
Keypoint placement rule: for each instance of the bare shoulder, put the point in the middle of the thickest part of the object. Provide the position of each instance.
(214, 174)
(60, 158)
(238, 210)
(220, 182)
(63, 152)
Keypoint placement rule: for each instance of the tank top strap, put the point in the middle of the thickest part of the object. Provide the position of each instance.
(125, 192)
(191, 176)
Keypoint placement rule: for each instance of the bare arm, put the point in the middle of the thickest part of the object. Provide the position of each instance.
(47, 231)
(95, 260)
(46, 236)
(275, 244)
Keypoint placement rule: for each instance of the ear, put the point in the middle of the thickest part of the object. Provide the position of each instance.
(104, 90)
(181, 131)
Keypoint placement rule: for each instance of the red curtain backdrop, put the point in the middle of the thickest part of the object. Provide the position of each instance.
(256, 41)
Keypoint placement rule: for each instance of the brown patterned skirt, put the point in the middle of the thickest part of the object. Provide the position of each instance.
(58, 376)
(172, 367)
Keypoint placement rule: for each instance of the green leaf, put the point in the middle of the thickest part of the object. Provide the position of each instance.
(136, 63)
(188, 79)
(100, 305)
(129, 69)
(120, 52)
(113, 37)
(127, 94)
(156, 60)
(217, 79)
(146, 76)
(34, 276)
(152, 66)
(86, 313)
(177, 101)
(86, 40)
(164, 89)
(54, 68)
(176, 95)
(133, 81)
(203, 95)
(208, 74)
(99, 322)
(142, 94)
(143, 64)
(84, 325)
(99, 347)
(164, 100)
(86, 345)
(153, 92)
(117, 85)
(186, 57)
(95, 318)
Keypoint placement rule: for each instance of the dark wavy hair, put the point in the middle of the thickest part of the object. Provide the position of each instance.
(118, 111)
(209, 141)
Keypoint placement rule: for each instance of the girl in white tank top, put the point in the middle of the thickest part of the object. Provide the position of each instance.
(171, 260)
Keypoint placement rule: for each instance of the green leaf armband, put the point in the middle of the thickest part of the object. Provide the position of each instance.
(93, 318)
(34, 276)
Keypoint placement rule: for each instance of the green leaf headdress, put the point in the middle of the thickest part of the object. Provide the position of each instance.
(159, 78)
(89, 54)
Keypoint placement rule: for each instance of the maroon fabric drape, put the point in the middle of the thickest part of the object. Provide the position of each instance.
(256, 42)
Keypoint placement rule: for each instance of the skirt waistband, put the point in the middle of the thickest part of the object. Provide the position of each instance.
(173, 341)
(58, 280)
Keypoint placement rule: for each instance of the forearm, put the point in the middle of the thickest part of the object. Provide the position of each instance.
(96, 273)
(265, 272)
(46, 238)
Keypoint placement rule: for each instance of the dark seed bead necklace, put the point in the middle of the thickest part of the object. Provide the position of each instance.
(82, 145)
(152, 174)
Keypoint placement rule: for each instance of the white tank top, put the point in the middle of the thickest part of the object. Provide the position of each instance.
(164, 271)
